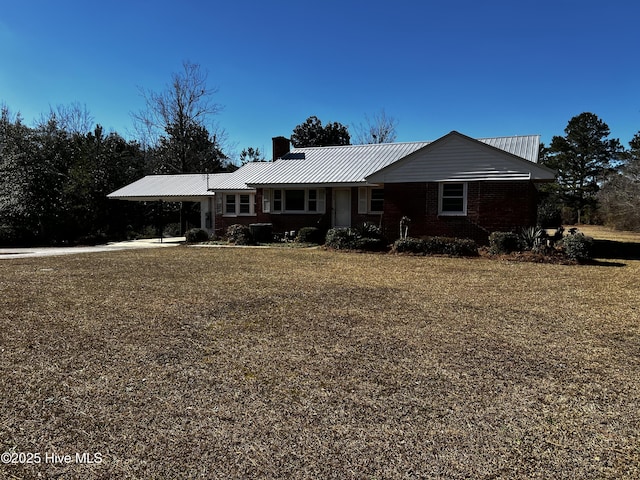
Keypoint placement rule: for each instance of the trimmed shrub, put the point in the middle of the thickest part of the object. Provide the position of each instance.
(504, 242)
(368, 230)
(408, 245)
(456, 247)
(353, 239)
(369, 244)
(340, 238)
(310, 235)
(577, 247)
(196, 235)
(240, 235)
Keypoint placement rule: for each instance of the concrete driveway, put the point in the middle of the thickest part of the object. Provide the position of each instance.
(8, 253)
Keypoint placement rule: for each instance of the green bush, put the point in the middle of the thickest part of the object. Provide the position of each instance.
(353, 239)
(340, 238)
(240, 235)
(369, 244)
(504, 242)
(368, 230)
(408, 245)
(310, 235)
(456, 247)
(577, 247)
(196, 235)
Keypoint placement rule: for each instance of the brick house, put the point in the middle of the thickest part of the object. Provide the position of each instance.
(455, 186)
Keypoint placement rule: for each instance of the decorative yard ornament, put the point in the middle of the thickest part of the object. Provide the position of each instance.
(404, 227)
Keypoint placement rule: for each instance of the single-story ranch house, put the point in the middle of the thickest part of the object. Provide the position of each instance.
(455, 186)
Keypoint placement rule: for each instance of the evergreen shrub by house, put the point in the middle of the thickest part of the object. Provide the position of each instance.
(409, 245)
(340, 238)
(457, 247)
(196, 235)
(504, 242)
(577, 247)
(365, 237)
(310, 235)
(239, 235)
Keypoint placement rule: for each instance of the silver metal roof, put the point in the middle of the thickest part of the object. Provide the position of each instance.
(238, 179)
(343, 164)
(523, 146)
(351, 164)
(170, 187)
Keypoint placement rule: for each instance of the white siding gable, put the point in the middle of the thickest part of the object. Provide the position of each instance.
(456, 157)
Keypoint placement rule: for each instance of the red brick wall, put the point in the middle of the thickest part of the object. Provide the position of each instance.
(223, 223)
(491, 206)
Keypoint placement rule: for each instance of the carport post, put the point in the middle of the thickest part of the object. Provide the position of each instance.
(160, 225)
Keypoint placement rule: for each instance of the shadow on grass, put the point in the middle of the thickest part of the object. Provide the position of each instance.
(616, 250)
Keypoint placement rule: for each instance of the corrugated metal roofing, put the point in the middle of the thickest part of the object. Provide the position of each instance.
(333, 165)
(170, 187)
(351, 164)
(523, 146)
(238, 179)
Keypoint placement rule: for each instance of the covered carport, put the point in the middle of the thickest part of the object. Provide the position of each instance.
(191, 187)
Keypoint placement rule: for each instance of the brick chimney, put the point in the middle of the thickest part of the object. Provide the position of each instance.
(281, 146)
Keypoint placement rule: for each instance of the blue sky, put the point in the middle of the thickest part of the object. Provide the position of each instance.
(484, 68)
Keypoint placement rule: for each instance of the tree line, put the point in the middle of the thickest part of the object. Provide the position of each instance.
(54, 176)
(598, 179)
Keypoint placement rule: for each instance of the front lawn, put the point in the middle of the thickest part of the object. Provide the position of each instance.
(306, 363)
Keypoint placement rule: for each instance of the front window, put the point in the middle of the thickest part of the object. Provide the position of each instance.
(277, 200)
(453, 199)
(245, 204)
(230, 208)
(377, 200)
(312, 204)
(294, 200)
(239, 204)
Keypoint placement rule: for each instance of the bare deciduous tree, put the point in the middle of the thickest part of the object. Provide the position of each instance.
(380, 128)
(186, 102)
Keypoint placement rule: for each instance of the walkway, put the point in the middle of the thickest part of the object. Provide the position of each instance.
(8, 253)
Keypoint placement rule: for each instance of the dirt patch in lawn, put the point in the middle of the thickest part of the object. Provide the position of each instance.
(306, 363)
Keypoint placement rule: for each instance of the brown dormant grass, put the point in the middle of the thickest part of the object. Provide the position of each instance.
(302, 363)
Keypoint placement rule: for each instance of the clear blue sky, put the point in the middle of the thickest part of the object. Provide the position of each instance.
(484, 68)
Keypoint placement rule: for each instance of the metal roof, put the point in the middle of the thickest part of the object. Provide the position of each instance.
(342, 164)
(238, 179)
(351, 164)
(170, 187)
(523, 146)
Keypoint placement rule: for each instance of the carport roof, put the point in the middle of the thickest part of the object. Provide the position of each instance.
(170, 188)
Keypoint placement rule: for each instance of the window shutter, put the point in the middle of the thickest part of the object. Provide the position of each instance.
(321, 200)
(362, 200)
(266, 200)
(218, 204)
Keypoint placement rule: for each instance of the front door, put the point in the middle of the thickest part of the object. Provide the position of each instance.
(342, 207)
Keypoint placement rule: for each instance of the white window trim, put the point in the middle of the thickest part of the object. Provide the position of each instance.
(443, 213)
(252, 202)
(268, 201)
